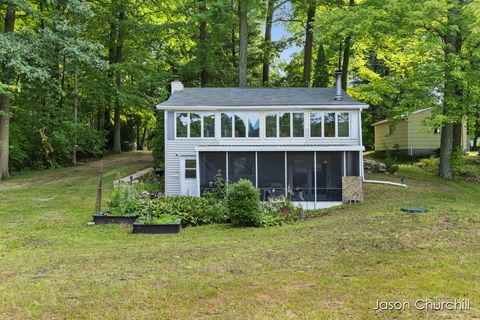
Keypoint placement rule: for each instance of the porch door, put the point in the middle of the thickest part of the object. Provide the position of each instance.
(188, 176)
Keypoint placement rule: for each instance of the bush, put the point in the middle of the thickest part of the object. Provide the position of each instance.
(126, 200)
(193, 211)
(391, 163)
(243, 203)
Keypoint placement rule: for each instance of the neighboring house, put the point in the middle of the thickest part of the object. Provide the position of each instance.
(287, 141)
(410, 136)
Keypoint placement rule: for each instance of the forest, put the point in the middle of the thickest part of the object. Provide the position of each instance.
(80, 79)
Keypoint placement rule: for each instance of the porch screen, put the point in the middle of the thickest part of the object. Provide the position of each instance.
(352, 163)
(210, 164)
(241, 165)
(329, 176)
(271, 174)
(301, 178)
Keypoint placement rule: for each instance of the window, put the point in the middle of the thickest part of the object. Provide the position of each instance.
(297, 124)
(436, 131)
(316, 124)
(253, 125)
(343, 124)
(182, 125)
(190, 169)
(329, 124)
(209, 125)
(240, 125)
(271, 125)
(226, 125)
(284, 124)
(195, 125)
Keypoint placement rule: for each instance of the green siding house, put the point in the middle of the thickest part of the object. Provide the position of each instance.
(410, 136)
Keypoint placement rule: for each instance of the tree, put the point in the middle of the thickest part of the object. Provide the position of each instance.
(5, 105)
(321, 77)
(308, 47)
(243, 40)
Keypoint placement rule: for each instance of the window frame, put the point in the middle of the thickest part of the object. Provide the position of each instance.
(247, 118)
(277, 121)
(202, 115)
(323, 112)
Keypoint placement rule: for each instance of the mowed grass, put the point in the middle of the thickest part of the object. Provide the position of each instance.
(54, 266)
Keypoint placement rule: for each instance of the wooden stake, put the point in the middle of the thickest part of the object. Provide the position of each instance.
(98, 204)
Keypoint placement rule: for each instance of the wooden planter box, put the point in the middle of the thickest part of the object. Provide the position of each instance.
(106, 219)
(140, 227)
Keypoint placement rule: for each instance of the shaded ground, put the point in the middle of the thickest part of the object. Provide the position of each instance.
(53, 266)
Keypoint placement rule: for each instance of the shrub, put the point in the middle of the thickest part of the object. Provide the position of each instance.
(243, 203)
(391, 163)
(193, 211)
(126, 200)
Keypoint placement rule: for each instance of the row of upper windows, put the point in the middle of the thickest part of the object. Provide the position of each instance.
(247, 125)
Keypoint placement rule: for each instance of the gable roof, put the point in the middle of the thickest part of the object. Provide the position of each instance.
(402, 117)
(250, 97)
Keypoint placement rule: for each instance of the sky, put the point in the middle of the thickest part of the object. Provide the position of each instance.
(279, 32)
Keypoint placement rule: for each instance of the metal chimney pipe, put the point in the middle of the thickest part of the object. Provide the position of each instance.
(338, 86)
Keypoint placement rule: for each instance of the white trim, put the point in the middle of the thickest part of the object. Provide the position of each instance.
(315, 178)
(197, 157)
(307, 205)
(344, 164)
(202, 116)
(252, 148)
(272, 107)
(286, 175)
(226, 168)
(256, 169)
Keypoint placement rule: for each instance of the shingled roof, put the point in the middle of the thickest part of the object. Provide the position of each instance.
(244, 97)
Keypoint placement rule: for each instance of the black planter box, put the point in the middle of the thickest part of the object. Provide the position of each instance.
(140, 227)
(106, 219)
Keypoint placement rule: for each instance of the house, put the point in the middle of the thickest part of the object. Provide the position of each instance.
(409, 135)
(287, 141)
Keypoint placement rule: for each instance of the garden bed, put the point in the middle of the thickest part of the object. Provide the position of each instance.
(148, 228)
(107, 219)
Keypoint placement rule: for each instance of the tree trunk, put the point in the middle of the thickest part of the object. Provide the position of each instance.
(446, 150)
(452, 46)
(307, 58)
(346, 57)
(477, 130)
(457, 135)
(144, 135)
(118, 80)
(267, 43)
(5, 108)
(75, 115)
(243, 40)
(203, 45)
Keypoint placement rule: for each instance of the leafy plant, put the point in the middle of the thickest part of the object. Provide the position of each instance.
(126, 200)
(391, 162)
(163, 219)
(243, 203)
(193, 211)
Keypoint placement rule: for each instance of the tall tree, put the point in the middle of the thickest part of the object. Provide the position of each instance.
(267, 42)
(346, 56)
(5, 106)
(321, 77)
(308, 47)
(243, 40)
(117, 147)
(203, 44)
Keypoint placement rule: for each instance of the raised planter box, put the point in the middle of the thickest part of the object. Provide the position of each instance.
(140, 227)
(106, 219)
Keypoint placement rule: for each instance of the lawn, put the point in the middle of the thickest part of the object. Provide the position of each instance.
(54, 266)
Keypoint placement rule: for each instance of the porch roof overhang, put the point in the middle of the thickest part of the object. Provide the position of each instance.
(283, 147)
(263, 107)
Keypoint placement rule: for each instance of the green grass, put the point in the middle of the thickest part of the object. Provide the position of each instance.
(54, 266)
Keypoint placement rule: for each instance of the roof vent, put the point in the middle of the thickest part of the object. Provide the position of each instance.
(176, 84)
(338, 86)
